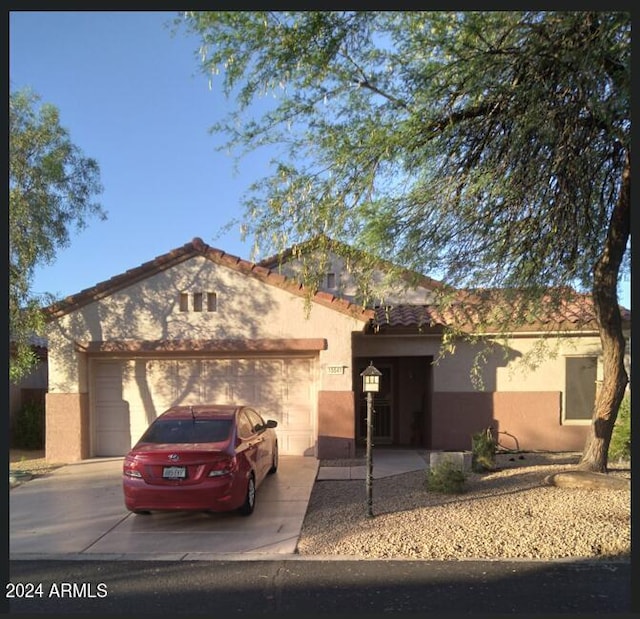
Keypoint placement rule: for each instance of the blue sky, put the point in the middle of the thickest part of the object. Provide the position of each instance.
(132, 97)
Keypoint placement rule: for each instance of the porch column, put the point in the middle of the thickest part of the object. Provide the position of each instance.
(336, 425)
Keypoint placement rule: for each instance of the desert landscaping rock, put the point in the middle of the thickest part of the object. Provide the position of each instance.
(587, 479)
(509, 513)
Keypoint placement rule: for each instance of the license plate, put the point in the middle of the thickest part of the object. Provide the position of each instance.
(174, 472)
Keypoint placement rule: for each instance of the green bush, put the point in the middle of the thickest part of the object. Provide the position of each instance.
(483, 451)
(620, 445)
(446, 477)
(28, 427)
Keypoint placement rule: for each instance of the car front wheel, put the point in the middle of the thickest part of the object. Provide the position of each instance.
(247, 507)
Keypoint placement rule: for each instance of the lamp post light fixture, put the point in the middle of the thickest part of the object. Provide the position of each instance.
(370, 385)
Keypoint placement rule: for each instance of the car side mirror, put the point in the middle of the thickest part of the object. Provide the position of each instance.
(271, 423)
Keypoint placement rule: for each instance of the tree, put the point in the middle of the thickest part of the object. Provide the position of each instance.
(491, 147)
(51, 188)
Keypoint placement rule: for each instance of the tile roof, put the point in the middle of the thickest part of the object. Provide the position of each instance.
(197, 247)
(468, 311)
(492, 312)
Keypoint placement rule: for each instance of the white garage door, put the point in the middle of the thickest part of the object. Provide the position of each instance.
(128, 394)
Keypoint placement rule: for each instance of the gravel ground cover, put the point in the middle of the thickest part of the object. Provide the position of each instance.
(26, 464)
(508, 513)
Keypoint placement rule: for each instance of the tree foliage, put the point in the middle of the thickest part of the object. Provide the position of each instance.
(492, 148)
(51, 190)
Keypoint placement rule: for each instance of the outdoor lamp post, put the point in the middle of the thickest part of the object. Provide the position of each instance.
(370, 385)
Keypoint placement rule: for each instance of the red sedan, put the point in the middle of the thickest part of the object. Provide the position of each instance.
(206, 457)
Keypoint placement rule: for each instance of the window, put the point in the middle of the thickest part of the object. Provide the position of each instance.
(188, 431)
(331, 281)
(581, 374)
(245, 428)
(198, 301)
(254, 418)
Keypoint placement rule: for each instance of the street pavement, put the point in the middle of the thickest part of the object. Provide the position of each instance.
(311, 587)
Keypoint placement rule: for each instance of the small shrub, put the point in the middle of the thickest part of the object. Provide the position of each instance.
(620, 445)
(447, 478)
(28, 427)
(483, 451)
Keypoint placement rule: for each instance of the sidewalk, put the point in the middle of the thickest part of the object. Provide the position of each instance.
(385, 462)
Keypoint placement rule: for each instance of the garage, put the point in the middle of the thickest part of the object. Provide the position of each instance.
(126, 394)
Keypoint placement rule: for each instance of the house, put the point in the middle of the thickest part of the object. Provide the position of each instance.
(199, 325)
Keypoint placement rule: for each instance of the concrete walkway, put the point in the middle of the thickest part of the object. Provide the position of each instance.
(386, 462)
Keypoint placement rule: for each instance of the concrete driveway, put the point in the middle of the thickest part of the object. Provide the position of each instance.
(78, 512)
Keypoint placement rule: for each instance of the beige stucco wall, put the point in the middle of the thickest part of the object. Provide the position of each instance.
(452, 372)
(385, 289)
(149, 310)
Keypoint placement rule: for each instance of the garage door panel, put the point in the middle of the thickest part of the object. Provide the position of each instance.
(189, 382)
(298, 393)
(300, 369)
(296, 417)
(281, 389)
(161, 380)
(113, 425)
(292, 443)
(216, 375)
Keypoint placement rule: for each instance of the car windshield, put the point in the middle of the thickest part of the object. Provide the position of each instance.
(187, 431)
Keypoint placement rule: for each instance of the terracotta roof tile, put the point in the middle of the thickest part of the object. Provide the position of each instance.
(187, 251)
(470, 312)
(470, 309)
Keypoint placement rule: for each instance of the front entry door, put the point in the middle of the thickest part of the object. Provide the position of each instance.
(382, 409)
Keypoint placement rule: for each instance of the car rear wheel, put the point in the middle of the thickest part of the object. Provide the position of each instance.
(246, 508)
(274, 461)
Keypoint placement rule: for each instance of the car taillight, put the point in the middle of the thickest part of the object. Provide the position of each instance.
(130, 470)
(222, 467)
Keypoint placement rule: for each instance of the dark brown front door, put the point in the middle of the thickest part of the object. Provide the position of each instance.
(382, 408)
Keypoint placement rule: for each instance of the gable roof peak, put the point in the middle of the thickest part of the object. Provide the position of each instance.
(199, 245)
(181, 254)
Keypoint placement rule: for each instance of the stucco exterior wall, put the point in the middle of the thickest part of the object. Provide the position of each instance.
(149, 310)
(336, 435)
(67, 427)
(247, 309)
(452, 372)
(385, 289)
(521, 420)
